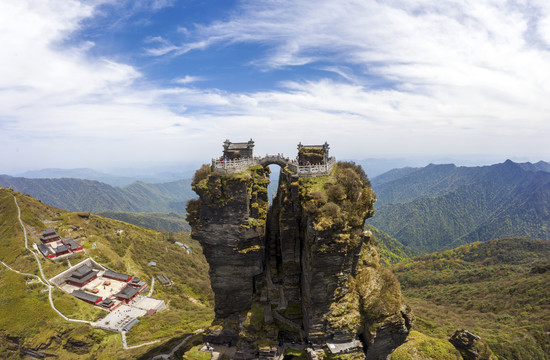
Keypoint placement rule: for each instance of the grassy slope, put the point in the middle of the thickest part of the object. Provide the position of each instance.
(28, 315)
(171, 222)
(486, 288)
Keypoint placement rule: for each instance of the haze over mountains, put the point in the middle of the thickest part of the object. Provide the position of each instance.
(94, 196)
(443, 206)
(160, 173)
(84, 174)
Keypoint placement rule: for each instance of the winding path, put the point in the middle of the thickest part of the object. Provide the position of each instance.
(26, 241)
(22, 273)
(46, 283)
(43, 280)
(126, 347)
(176, 348)
(152, 287)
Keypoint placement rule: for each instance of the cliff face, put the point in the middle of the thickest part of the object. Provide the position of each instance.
(229, 220)
(305, 263)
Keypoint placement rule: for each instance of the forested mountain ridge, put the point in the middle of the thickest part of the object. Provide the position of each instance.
(406, 184)
(94, 196)
(442, 206)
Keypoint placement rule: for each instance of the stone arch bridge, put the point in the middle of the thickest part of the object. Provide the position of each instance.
(278, 159)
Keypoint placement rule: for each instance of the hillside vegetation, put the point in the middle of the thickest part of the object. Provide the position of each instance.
(443, 206)
(171, 222)
(94, 196)
(391, 250)
(28, 322)
(499, 290)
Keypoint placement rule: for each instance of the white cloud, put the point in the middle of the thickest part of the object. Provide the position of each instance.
(416, 77)
(187, 79)
(163, 46)
(55, 99)
(451, 64)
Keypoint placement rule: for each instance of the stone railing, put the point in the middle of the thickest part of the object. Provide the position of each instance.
(238, 165)
(233, 166)
(312, 170)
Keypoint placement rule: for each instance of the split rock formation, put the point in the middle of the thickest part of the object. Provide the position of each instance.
(301, 269)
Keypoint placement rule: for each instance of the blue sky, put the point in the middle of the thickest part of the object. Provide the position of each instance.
(107, 83)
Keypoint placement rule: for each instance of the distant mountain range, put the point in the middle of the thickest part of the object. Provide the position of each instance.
(95, 196)
(114, 180)
(378, 166)
(426, 208)
(443, 206)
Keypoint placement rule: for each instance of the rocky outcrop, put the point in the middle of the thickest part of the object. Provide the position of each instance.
(229, 219)
(471, 346)
(14, 346)
(78, 346)
(306, 258)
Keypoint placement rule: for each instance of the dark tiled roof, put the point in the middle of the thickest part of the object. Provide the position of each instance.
(127, 293)
(114, 275)
(82, 274)
(49, 231)
(44, 250)
(238, 146)
(46, 238)
(137, 282)
(61, 249)
(107, 302)
(82, 271)
(71, 243)
(79, 294)
(49, 234)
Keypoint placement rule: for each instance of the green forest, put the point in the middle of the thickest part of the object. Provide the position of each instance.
(95, 196)
(443, 206)
(498, 289)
